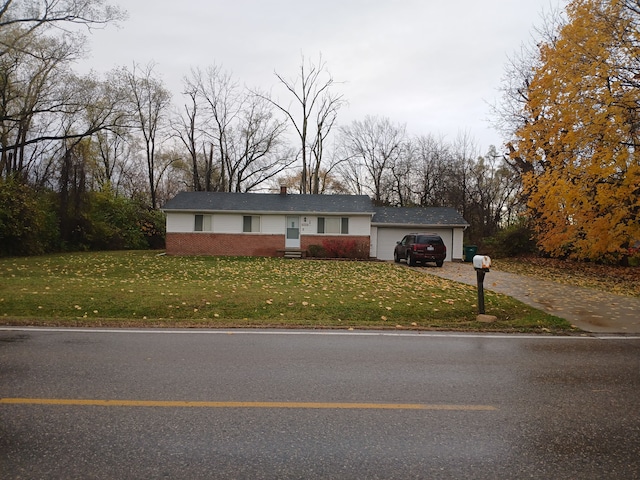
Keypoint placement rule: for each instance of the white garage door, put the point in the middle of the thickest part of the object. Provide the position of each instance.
(387, 238)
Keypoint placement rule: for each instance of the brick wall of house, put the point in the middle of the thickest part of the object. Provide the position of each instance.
(224, 244)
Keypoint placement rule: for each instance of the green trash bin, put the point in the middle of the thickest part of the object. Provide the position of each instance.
(469, 252)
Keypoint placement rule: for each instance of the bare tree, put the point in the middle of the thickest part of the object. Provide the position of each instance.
(38, 14)
(223, 100)
(233, 128)
(464, 152)
(149, 105)
(325, 120)
(493, 194)
(431, 157)
(353, 176)
(374, 145)
(189, 133)
(113, 150)
(331, 183)
(400, 175)
(20, 20)
(107, 105)
(46, 107)
(260, 153)
(507, 114)
(37, 87)
(429, 172)
(318, 109)
(32, 97)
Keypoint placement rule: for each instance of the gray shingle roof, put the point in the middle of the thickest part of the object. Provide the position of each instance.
(330, 204)
(418, 217)
(269, 203)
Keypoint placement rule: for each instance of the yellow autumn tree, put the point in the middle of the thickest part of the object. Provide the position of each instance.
(578, 144)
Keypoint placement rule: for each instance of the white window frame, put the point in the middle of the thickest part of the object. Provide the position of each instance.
(333, 225)
(254, 225)
(202, 223)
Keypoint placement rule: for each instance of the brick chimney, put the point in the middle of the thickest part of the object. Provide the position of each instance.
(283, 189)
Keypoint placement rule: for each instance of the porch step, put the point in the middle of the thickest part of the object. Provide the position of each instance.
(293, 253)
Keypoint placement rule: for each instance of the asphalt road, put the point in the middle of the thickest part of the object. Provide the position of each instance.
(306, 405)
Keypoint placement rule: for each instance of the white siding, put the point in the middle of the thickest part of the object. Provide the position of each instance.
(185, 222)
(273, 224)
(232, 223)
(308, 225)
(180, 222)
(224, 223)
(458, 238)
(373, 243)
(269, 224)
(359, 225)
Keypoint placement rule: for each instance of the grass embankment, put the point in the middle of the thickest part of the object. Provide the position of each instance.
(144, 289)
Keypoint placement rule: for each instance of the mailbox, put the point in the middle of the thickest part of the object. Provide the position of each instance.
(481, 262)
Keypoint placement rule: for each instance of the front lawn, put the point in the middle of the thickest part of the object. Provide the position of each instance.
(146, 289)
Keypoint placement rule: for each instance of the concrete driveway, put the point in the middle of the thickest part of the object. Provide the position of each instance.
(588, 309)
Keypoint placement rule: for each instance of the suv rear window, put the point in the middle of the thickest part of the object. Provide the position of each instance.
(428, 239)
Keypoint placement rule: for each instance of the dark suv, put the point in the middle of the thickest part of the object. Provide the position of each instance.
(421, 247)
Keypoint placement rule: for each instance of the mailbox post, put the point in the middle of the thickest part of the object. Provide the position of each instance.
(481, 263)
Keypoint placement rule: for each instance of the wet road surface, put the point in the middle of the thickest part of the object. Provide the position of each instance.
(315, 405)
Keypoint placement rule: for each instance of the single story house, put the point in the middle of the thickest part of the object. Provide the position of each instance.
(268, 224)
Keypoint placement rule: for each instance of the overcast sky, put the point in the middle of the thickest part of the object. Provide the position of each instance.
(432, 65)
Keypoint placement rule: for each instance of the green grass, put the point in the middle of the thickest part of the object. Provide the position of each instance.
(147, 289)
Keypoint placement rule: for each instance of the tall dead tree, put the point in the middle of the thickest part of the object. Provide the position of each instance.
(149, 104)
(313, 118)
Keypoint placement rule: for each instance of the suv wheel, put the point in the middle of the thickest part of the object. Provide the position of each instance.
(439, 263)
(410, 260)
(396, 258)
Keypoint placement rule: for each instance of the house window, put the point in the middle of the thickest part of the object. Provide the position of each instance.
(333, 225)
(202, 223)
(250, 223)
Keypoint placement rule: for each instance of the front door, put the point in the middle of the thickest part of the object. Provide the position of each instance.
(293, 232)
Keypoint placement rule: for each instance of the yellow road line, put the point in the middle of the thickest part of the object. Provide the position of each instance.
(299, 405)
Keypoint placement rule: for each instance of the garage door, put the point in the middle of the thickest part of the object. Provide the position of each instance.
(387, 238)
